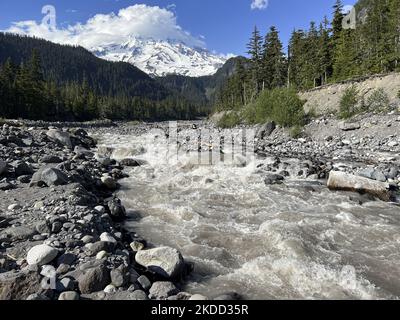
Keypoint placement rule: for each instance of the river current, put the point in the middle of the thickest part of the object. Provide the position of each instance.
(289, 241)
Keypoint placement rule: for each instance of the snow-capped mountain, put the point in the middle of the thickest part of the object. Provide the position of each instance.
(162, 57)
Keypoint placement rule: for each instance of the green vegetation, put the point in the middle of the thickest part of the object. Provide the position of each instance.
(378, 101)
(229, 120)
(296, 132)
(349, 103)
(324, 53)
(280, 105)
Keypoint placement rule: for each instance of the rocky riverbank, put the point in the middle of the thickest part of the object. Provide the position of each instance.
(61, 227)
(62, 231)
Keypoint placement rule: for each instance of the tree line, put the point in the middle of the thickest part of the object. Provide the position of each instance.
(325, 53)
(69, 83)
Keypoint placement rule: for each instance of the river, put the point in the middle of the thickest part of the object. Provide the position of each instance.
(289, 241)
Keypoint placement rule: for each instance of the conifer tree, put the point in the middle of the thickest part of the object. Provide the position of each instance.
(255, 52)
(274, 68)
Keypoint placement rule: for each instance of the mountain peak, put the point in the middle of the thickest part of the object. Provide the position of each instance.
(162, 57)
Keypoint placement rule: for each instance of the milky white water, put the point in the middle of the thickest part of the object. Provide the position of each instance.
(264, 242)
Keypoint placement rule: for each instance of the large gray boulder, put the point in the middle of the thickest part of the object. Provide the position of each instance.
(94, 279)
(165, 261)
(343, 181)
(61, 137)
(266, 130)
(349, 126)
(161, 290)
(41, 255)
(49, 177)
(117, 210)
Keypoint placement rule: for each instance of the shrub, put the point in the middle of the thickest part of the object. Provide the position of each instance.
(378, 101)
(296, 132)
(229, 120)
(348, 103)
(280, 105)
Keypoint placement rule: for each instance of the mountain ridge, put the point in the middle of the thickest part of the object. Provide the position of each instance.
(162, 57)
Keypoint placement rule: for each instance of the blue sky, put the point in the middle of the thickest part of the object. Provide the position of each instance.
(225, 24)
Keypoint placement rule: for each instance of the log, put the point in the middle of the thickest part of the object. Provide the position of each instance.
(346, 182)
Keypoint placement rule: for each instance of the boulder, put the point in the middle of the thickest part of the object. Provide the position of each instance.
(80, 151)
(343, 181)
(349, 126)
(119, 277)
(271, 179)
(266, 130)
(61, 137)
(109, 182)
(41, 255)
(94, 279)
(106, 237)
(165, 261)
(132, 162)
(54, 177)
(21, 168)
(161, 290)
(69, 296)
(117, 210)
(18, 285)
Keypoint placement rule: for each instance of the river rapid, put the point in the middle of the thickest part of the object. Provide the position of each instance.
(292, 241)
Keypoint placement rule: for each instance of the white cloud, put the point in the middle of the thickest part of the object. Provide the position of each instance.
(103, 29)
(259, 4)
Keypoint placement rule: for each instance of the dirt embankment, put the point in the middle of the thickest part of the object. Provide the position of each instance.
(326, 99)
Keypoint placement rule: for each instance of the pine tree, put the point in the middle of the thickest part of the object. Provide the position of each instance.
(337, 23)
(274, 65)
(255, 52)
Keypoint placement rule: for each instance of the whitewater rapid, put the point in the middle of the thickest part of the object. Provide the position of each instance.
(288, 241)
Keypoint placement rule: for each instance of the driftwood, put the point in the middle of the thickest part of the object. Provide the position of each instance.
(347, 182)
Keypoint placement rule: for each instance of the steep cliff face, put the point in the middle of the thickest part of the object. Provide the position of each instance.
(327, 99)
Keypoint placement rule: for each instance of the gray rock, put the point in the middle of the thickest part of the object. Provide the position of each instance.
(37, 297)
(104, 161)
(54, 177)
(22, 168)
(144, 282)
(80, 151)
(99, 246)
(109, 182)
(266, 130)
(165, 261)
(367, 173)
(161, 290)
(119, 277)
(349, 126)
(18, 285)
(41, 255)
(67, 259)
(94, 279)
(51, 159)
(106, 237)
(379, 176)
(271, 179)
(117, 210)
(137, 295)
(19, 233)
(132, 162)
(61, 137)
(69, 296)
(3, 166)
(65, 284)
